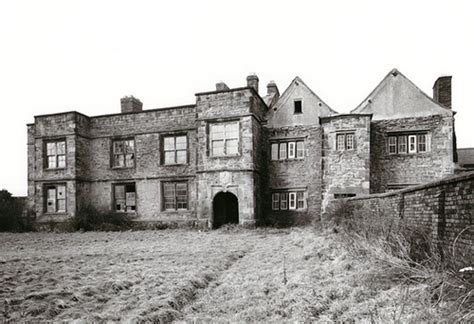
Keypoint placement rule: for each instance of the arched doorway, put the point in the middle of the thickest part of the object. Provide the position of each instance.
(226, 209)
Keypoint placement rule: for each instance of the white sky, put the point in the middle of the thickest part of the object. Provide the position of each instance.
(85, 55)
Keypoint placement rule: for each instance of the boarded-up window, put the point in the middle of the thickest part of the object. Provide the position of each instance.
(224, 139)
(402, 144)
(175, 196)
(299, 149)
(55, 198)
(123, 153)
(283, 151)
(175, 149)
(274, 151)
(125, 199)
(275, 201)
(56, 154)
(392, 145)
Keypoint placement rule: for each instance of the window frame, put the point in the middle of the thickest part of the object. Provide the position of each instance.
(342, 142)
(410, 150)
(408, 143)
(115, 199)
(175, 149)
(54, 186)
(298, 102)
(287, 150)
(56, 155)
(175, 202)
(123, 154)
(289, 200)
(224, 139)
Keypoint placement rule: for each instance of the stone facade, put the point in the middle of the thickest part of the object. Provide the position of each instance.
(275, 159)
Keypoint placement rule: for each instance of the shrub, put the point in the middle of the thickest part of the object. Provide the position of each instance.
(88, 218)
(11, 211)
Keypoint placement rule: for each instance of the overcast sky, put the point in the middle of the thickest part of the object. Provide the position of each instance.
(85, 55)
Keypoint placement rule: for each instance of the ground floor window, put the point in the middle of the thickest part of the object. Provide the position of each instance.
(175, 195)
(55, 198)
(125, 197)
(344, 195)
(288, 200)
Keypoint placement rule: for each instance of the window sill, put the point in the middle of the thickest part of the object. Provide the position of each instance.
(173, 164)
(122, 168)
(288, 160)
(54, 169)
(62, 213)
(406, 154)
(225, 156)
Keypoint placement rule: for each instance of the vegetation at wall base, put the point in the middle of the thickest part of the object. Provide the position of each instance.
(410, 258)
(88, 218)
(11, 213)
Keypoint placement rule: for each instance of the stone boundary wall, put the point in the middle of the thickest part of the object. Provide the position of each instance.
(444, 208)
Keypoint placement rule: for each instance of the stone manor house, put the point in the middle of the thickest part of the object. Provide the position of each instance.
(240, 156)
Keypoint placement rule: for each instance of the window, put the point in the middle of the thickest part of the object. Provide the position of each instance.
(225, 139)
(292, 200)
(175, 195)
(274, 151)
(123, 153)
(283, 201)
(282, 151)
(291, 150)
(408, 143)
(345, 142)
(421, 143)
(412, 144)
(402, 144)
(300, 150)
(56, 154)
(300, 198)
(275, 201)
(125, 197)
(56, 198)
(175, 149)
(392, 144)
(287, 150)
(292, 196)
(298, 107)
(349, 141)
(344, 195)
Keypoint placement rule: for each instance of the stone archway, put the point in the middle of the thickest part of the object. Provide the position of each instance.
(225, 208)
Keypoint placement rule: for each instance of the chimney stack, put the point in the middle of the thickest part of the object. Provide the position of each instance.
(221, 86)
(442, 91)
(252, 81)
(130, 104)
(272, 89)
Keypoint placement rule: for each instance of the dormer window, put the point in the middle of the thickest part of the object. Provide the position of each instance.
(298, 107)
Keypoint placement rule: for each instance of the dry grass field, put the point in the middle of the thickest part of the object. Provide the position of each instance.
(176, 275)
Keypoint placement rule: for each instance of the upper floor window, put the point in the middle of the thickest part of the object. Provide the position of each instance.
(287, 150)
(125, 197)
(56, 154)
(345, 141)
(175, 195)
(123, 153)
(298, 107)
(175, 149)
(408, 143)
(224, 139)
(55, 198)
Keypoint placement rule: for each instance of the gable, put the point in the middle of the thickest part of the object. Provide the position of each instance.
(283, 113)
(397, 97)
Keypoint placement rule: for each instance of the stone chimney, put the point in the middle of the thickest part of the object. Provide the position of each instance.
(130, 104)
(272, 89)
(221, 86)
(252, 81)
(442, 91)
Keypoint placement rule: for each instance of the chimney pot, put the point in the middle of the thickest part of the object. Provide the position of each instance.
(130, 104)
(442, 91)
(252, 81)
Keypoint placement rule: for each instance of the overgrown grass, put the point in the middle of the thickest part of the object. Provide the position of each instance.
(88, 218)
(409, 257)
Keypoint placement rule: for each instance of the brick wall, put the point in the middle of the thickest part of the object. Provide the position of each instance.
(443, 208)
